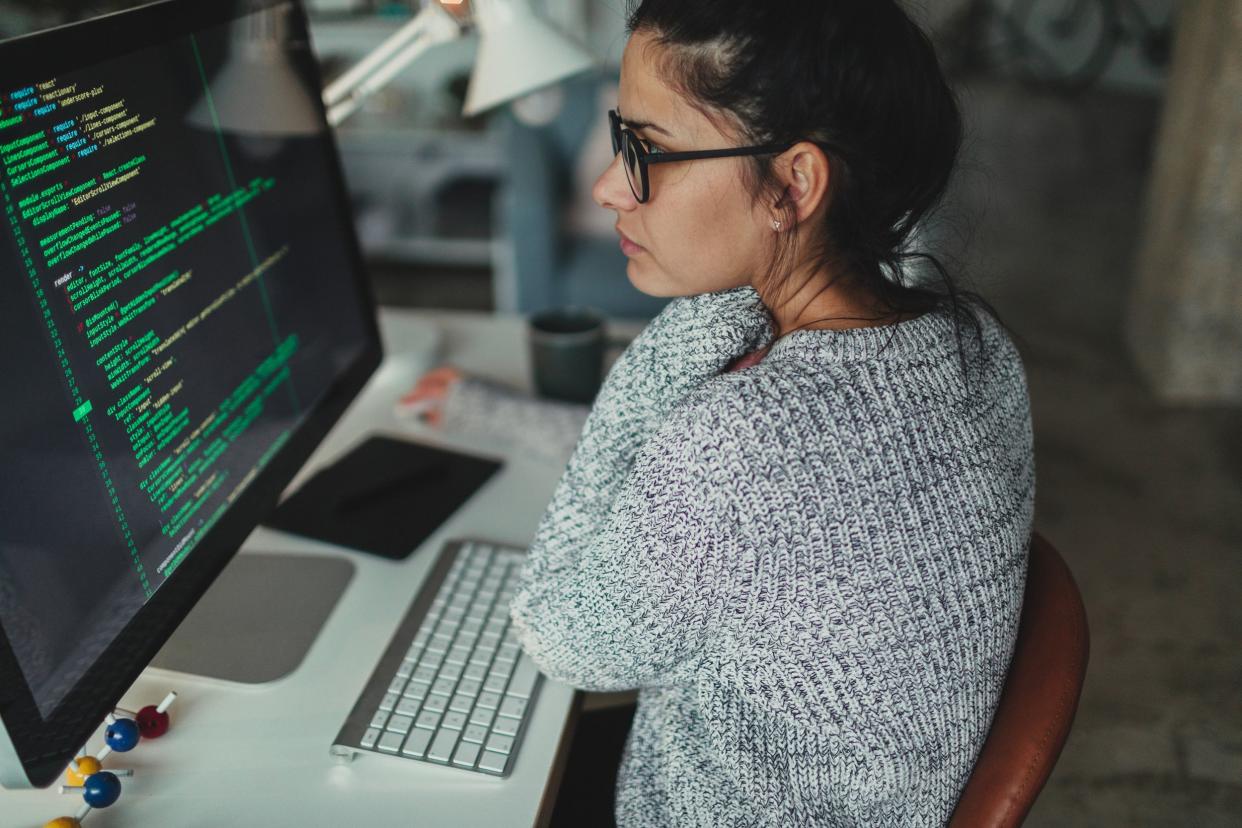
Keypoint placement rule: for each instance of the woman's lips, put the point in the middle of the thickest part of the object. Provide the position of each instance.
(628, 247)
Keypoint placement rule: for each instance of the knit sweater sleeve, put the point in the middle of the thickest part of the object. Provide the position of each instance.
(629, 601)
(546, 429)
(614, 594)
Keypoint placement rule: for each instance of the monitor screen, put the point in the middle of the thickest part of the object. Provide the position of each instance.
(183, 316)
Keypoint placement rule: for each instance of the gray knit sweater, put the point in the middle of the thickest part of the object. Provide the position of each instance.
(812, 569)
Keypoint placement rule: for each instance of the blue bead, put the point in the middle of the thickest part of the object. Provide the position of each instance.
(122, 735)
(102, 789)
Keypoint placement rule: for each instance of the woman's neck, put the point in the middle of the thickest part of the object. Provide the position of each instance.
(824, 301)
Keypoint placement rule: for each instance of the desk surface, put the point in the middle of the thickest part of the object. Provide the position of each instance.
(258, 754)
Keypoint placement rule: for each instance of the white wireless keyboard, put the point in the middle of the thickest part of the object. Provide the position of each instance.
(453, 688)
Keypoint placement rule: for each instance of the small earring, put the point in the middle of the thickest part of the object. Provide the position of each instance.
(776, 224)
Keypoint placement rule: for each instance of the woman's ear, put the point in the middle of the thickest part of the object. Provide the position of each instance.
(804, 169)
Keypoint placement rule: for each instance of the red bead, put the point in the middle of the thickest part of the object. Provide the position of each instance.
(151, 723)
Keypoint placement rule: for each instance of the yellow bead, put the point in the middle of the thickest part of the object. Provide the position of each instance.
(86, 766)
(63, 822)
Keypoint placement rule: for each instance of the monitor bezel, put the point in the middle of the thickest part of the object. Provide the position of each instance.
(45, 746)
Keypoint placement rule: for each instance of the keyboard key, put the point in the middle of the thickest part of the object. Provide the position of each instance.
(416, 691)
(501, 668)
(500, 744)
(495, 684)
(475, 733)
(461, 703)
(406, 668)
(489, 700)
(396, 685)
(379, 719)
(468, 687)
(497, 626)
(475, 671)
(454, 720)
(522, 683)
(444, 686)
(466, 755)
(482, 716)
(428, 720)
(513, 707)
(442, 748)
(506, 726)
(458, 655)
(425, 673)
(436, 704)
(391, 742)
(492, 762)
(400, 724)
(416, 743)
(389, 701)
(407, 707)
(369, 738)
(451, 671)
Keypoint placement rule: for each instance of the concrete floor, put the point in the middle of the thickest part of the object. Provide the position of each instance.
(1143, 500)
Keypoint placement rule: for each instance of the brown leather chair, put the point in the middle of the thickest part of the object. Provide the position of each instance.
(1038, 702)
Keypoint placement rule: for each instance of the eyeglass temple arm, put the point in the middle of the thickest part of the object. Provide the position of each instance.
(662, 157)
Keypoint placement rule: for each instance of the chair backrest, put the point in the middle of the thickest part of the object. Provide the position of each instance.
(1038, 702)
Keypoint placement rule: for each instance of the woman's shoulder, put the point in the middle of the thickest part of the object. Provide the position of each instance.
(740, 412)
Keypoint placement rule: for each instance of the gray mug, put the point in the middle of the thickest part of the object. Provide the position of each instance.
(567, 352)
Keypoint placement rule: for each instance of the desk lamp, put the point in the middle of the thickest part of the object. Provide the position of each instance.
(519, 53)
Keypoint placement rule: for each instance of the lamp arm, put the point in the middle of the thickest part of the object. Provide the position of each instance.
(429, 27)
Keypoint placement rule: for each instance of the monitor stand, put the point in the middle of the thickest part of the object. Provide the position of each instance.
(244, 630)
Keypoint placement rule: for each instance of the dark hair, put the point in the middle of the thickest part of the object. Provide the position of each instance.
(862, 81)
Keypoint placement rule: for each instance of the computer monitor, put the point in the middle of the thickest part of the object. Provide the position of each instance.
(183, 317)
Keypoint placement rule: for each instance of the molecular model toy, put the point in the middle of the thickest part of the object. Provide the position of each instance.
(85, 774)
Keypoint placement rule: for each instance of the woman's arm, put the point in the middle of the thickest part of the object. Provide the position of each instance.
(690, 341)
(616, 587)
(627, 599)
(543, 428)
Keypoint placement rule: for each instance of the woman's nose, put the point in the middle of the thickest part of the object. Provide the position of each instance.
(612, 189)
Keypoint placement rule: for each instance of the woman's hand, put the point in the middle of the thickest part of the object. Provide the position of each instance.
(427, 399)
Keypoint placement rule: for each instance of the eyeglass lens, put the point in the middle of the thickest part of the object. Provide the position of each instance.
(624, 142)
(633, 169)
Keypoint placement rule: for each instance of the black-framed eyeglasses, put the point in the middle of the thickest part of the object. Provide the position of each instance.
(638, 155)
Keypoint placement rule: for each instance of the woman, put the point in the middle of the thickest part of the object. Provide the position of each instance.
(797, 516)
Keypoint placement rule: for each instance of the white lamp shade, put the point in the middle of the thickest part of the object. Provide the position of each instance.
(257, 92)
(519, 53)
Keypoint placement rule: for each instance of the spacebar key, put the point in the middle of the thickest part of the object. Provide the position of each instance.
(522, 684)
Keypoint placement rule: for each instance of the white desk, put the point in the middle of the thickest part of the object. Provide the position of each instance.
(257, 755)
